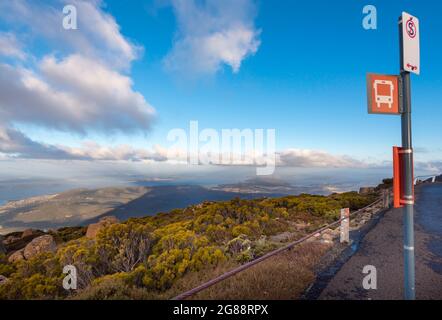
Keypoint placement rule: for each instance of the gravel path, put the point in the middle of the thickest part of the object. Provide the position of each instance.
(382, 247)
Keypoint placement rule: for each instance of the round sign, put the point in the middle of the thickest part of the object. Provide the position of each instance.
(411, 28)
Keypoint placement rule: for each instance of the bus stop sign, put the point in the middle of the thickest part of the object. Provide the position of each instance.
(383, 94)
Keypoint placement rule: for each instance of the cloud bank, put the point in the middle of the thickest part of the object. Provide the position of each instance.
(314, 158)
(14, 144)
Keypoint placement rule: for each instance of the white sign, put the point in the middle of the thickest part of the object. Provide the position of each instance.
(410, 43)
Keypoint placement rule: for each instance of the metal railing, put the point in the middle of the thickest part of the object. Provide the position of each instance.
(289, 246)
(426, 177)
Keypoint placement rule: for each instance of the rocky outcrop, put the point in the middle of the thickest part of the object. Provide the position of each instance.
(16, 256)
(39, 245)
(94, 228)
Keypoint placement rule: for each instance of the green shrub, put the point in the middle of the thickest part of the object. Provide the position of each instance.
(112, 287)
(6, 268)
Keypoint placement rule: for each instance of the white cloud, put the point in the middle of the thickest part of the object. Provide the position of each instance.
(10, 46)
(74, 94)
(434, 167)
(22, 147)
(14, 143)
(314, 158)
(78, 85)
(212, 34)
(98, 35)
(93, 151)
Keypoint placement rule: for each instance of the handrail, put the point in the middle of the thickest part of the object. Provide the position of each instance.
(247, 265)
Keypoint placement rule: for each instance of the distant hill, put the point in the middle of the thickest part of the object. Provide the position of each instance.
(84, 206)
(166, 198)
(80, 207)
(273, 186)
(69, 208)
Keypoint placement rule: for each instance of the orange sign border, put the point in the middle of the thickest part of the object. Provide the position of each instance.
(370, 93)
(397, 177)
(398, 192)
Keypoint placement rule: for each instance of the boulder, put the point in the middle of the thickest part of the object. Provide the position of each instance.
(11, 239)
(16, 256)
(94, 228)
(39, 245)
(28, 233)
(3, 279)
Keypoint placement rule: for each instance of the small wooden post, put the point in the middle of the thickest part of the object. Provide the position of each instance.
(345, 225)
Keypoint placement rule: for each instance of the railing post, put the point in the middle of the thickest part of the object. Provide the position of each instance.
(386, 198)
(345, 225)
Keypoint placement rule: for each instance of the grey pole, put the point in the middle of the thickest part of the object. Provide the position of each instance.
(408, 197)
(407, 174)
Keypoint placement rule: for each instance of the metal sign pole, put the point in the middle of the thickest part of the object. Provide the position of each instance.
(397, 101)
(407, 149)
(408, 197)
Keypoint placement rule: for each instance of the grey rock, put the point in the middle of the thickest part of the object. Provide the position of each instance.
(16, 256)
(39, 245)
(94, 228)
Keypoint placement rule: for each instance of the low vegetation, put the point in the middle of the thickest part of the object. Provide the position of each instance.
(159, 256)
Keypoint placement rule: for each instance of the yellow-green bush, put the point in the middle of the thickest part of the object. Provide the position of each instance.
(123, 246)
(143, 257)
(37, 278)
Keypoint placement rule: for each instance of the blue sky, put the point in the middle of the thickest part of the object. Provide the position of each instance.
(294, 66)
(307, 79)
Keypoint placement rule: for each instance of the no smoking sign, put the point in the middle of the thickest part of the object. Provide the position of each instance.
(411, 28)
(410, 43)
